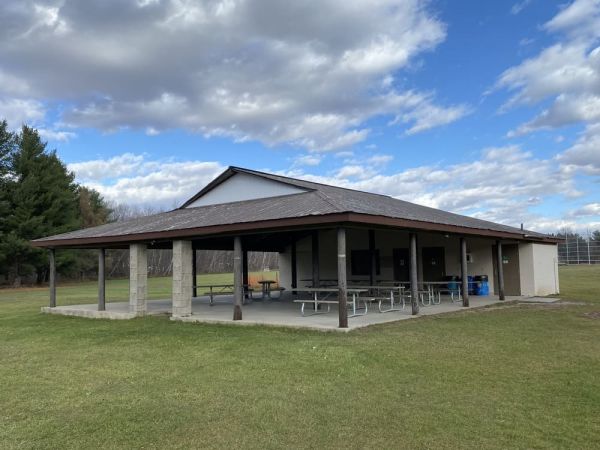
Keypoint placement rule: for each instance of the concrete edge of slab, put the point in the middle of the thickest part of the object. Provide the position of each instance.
(95, 314)
(89, 314)
(245, 322)
(539, 300)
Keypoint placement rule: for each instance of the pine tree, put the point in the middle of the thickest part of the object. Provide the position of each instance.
(44, 201)
(7, 147)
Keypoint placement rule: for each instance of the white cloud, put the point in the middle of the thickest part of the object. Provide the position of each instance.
(418, 109)
(380, 160)
(102, 169)
(271, 71)
(308, 160)
(56, 135)
(590, 209)
(584, 155)
(580, 18)
(354, 172)
(520, 6)
(134, 180)
(18, 112)
(567, 76)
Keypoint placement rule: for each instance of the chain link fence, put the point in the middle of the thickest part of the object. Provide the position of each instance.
(577, 249)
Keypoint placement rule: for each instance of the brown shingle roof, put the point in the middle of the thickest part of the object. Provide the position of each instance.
(319, 201)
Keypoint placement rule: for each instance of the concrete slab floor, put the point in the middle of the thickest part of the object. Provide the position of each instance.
(281, 312)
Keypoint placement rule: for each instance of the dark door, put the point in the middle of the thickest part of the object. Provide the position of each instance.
(401, 264)
(434, 263)
(512, 275)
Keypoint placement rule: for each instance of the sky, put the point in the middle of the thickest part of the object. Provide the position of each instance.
(484, 108)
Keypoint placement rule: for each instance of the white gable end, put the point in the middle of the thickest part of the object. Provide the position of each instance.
(242, 186)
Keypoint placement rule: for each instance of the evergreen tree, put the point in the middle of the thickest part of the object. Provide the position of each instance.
(7, 147)
(44, 201)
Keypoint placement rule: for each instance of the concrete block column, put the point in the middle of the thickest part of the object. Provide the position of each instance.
(182, 278)
(138, 279)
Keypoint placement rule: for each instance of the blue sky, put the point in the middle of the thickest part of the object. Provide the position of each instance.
(484, 108)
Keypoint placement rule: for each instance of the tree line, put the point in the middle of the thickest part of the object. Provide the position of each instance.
(39, 197)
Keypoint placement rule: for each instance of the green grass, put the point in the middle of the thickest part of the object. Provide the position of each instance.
(580, 283)
(510, 377)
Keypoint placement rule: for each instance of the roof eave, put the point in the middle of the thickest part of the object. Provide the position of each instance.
(282, 224)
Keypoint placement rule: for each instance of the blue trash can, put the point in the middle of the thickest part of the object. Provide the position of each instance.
(472, 285)
(482, 286)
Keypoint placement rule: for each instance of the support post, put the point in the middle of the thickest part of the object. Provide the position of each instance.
(138, 279)
(463, 271)
(342, 285)
(373, 258)
(315, 259)
(194, 273)
(238, 291)
(294, 267)
(52, 277)
(245, 270)
(500, 265)
(182, 278)
(414, 275)
(101, 280)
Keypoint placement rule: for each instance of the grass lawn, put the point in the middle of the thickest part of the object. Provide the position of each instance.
(507, 377)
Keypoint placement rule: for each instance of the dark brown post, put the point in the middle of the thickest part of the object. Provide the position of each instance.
(315, 259)
(238, 291)
(101, 280)
(500, 271)
(414, 275)
(294, 267)
(194, 273)
(342, 285)
(52, 278)
(463, 271)
(373, 256)
(245, 270)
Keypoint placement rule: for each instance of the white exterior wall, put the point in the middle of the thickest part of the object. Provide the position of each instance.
(385, 242)
(546, 269)
(539, 269)
(243, 186)
(526, 267)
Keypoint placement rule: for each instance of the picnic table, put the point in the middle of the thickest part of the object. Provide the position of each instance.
(267, 289)
(328, 292)
(325, 282)
(384, 293)
(224, 289)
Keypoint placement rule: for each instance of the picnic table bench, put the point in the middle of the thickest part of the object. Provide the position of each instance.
(383, 294)
(328, 291)
(223, 289)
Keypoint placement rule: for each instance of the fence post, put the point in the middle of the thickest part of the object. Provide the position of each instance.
(588, 246)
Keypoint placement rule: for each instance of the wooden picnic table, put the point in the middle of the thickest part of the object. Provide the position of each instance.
(266, 287)
(329, 291)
